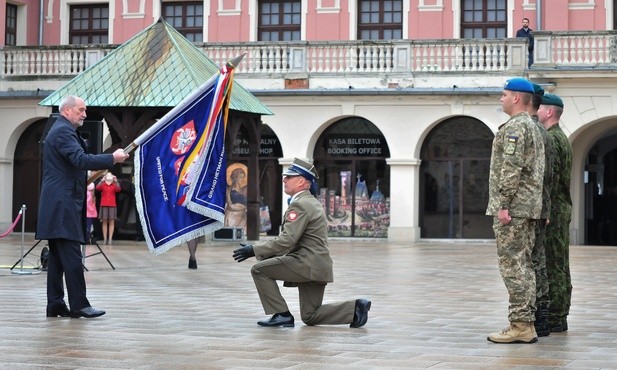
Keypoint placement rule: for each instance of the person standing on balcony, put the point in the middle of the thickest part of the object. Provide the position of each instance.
(300, 257)
(527, 32)
(62, 208)
(557, 231)
(538, 255)
(515, 202)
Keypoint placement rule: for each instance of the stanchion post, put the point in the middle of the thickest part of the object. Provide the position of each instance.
(23, 234)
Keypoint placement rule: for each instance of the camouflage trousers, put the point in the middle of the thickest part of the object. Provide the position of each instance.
(558, 267)
(538, 257)
(514, 245)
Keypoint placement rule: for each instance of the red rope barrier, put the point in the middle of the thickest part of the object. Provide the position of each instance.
(10, 230)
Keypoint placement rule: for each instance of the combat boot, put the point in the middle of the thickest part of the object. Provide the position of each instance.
(541, 324)
(517, 332)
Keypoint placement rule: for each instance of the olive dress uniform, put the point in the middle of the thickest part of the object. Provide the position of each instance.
(306, 263)
(299, 256)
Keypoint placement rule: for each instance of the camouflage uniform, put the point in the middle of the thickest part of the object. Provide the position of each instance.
(515, 184)
(557, 233)
(538, 255)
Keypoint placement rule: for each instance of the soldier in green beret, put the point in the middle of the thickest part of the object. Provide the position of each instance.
(557, 232)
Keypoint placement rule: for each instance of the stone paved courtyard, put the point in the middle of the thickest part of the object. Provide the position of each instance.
(433, 306)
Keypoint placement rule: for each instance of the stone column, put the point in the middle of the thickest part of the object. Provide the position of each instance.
(404, 196)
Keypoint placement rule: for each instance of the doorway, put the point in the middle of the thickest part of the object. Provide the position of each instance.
(600, 180)
(354, 178)
(456, 157)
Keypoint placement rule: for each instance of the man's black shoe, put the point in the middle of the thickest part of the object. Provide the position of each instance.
(360, 316)
(87, 312)
(559, 328)
(277, 320)
(61, 311)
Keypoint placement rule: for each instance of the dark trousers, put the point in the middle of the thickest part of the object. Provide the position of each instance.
(65, 258)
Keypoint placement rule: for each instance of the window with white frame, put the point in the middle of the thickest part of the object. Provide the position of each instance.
(89, 24)
(484, 19)
(186, 17)
(10, 30)
(380, 20)
(279, 20)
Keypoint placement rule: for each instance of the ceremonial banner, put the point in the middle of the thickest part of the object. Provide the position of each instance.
(180, 167)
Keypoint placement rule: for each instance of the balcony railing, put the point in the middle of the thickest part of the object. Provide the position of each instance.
(468, 55)
(575, 49)
(267, 58)
(277, 59)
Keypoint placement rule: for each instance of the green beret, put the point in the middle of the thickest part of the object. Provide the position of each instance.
(552, 99)
(519, 84)
(537, 89)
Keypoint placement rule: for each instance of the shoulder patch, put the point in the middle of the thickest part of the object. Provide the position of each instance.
(292, 216)
(510, 147)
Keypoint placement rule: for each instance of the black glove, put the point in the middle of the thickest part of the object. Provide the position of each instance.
(244, 252)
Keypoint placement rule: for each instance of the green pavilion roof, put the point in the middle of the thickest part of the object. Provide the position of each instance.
(157, 68)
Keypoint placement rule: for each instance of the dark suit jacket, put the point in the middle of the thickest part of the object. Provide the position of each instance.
(528, 34)
(302, 244)
(62, 209)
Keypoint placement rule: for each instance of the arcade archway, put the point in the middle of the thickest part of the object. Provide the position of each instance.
(454, 180)
(350, 156)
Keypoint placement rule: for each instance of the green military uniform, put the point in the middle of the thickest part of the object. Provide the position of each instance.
(538, 254)
(557, 233)
(515, 184)
(300, 257)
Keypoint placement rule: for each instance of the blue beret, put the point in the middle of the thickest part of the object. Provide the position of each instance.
(537, 89)
(552, 99)
(519, 84)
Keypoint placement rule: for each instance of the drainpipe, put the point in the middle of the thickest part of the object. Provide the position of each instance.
(538, 15)
(41, 22)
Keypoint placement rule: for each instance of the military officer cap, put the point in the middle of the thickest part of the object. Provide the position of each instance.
(301, 168)
(519, 84)
(537, 89)
(552, 99)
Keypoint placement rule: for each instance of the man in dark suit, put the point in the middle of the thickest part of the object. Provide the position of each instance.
(299, 256)
(527, 32)
(62, 209)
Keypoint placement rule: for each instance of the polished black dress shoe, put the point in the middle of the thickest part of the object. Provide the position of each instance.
(360, 316)
(192, 264)
(278, 320)
(61, 311)
(87, 312)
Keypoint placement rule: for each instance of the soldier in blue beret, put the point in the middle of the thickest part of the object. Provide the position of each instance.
(519, 84)
(515, 202)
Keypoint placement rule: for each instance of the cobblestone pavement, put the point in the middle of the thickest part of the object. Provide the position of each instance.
(433, 306)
